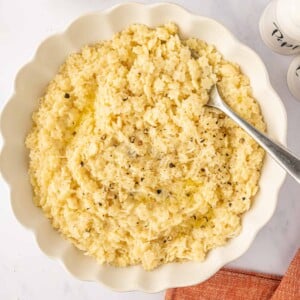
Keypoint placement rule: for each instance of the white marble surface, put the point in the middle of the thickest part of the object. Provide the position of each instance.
(25, 272)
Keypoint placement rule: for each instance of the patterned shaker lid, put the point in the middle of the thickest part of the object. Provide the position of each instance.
(293, 77)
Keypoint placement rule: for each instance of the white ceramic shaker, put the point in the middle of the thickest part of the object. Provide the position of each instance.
(280, 26)
(293, 77)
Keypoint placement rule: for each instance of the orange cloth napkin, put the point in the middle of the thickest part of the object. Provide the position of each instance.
(230, 284)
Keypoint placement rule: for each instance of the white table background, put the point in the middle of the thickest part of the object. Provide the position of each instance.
(25, 272)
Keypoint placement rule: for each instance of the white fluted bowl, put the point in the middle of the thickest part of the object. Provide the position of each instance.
(30, 85)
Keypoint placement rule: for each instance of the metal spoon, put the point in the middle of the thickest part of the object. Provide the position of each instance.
(279, 153)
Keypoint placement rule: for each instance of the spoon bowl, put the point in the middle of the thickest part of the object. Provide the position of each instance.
(287, 160)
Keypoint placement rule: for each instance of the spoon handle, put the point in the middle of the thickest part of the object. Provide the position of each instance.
(279, 153)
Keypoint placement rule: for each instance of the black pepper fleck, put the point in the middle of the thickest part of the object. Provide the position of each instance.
(82, 163)
(244, 198)
(171, 165)
(67, 95)
(158, 191)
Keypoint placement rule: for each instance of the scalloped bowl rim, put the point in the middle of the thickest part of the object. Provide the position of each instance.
(135, 277)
